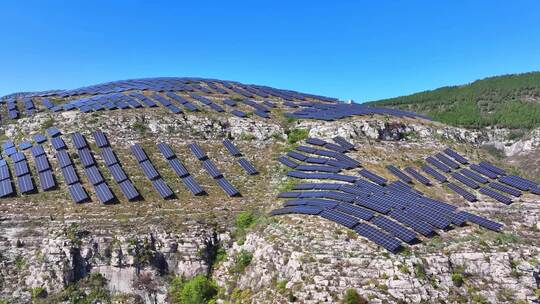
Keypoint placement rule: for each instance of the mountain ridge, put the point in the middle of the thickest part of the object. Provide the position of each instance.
(509, 101)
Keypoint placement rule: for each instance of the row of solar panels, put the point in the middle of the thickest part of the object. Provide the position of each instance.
(95, 177)
(207, 86)
(484, 177)
(336, 111)
(396, 209)
(110, 100)
(480, 173)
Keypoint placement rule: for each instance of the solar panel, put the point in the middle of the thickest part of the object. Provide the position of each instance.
(58, 143)
(86, 157)
(496, 195)
(296, 155)
(233, 150)
(356, 211)
(456, 156)
(419, 177)
(161, 187)
(25, 145)
(192, 185)
(70, 175)
(316, 141)
(25, 184)
(343, 142)
(492, 168)
(46, 180)
(117, 173)
(437, 164)
(238, 113)
(18, 157)
(416, 224)
(149, 170)
(447, 161)
(211, 168)
(287, 162)
(227, 187)
(505, 189)
(247, 166)
(6, 188)
(466, 195)
(108, 156)
(474, 176)
(10, 151)
(395, 229)
(78, 140)
(465, 180)
(8, 144)
(138, 152)
(174, 109)
(197, 151)
(380, 238)
(63, 158)
(101, 139)
(128, 190)
(436, 175)
(104, 193)
(21, 168)
(39, 138)
(404, 177)
(53, 132)
(473, 218)
(373, 177)
(518, 182)
(4, 172)
(37, 150)
(77, 192)
(42, 163)
(93, 174)
(229, 102)
(340, 218)
(483, 171)
(166, 151)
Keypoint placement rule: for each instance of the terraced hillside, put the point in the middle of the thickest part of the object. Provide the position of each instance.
(509, 101)
(197, 247)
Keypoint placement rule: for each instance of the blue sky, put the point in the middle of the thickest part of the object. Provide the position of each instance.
(362, 50)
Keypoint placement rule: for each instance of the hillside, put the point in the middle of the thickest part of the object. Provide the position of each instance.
(511, 101)
(189, 190)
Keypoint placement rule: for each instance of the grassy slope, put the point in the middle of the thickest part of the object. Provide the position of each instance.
(511, 101)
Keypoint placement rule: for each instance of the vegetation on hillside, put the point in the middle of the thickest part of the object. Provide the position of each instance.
(511, 101)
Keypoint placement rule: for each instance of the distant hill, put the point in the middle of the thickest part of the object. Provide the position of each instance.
(511, 101)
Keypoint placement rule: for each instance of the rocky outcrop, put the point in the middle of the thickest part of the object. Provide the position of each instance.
(317, 266)
(70, 254)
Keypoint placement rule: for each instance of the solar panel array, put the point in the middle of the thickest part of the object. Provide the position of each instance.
(180, 170)
(387, 213)
(151, 173)
(92, 172)
(244, 163)
(212, 170)
(148, 92)
(115, 167)
(483, 173)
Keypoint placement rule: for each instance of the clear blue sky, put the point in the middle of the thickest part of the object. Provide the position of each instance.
(362, 50)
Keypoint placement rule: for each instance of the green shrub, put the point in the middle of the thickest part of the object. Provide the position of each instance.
(457, 279)
(245, 219)
(242, 261)
(297, 134)
(38, 292)
(420, 271)
(197, 290)
(282, 285)
(352, 297)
